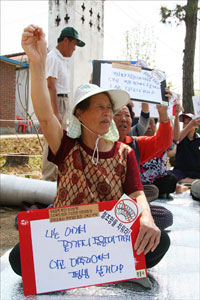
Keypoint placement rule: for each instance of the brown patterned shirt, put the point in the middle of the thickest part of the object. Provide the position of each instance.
(80, 181)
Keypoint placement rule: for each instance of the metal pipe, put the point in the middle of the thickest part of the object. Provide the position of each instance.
(14, 190)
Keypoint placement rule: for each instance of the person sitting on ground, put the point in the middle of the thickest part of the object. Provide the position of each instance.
(145, 148)
(187, 158)
(155, 170)
(93, 165)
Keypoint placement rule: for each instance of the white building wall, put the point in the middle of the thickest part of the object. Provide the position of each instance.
(87, 18)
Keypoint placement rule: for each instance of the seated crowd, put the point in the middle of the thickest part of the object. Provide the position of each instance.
(96, 162)
(158, 177)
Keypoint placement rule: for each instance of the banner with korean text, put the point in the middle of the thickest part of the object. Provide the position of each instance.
(79, 246)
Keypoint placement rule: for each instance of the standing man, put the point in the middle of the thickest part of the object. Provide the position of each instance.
(58, 80)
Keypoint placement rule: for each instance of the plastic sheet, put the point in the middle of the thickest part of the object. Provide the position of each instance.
(176, 277)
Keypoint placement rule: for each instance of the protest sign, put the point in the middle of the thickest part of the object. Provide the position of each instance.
(137, 107)
(196, 105)
(141, 83)
(79, 246)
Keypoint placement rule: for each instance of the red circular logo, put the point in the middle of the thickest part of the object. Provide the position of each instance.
(126, 211)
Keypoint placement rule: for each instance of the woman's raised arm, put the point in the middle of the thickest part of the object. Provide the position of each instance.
(34, 44)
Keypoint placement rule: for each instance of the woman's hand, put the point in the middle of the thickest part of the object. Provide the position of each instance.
(162, 109)
(179, 108)
(195, 122)
(168, 93)
(149, 234)
(34, 43)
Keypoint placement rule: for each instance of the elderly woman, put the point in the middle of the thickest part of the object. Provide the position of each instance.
(93, 165)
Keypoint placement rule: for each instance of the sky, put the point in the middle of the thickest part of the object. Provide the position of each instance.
(119, 16)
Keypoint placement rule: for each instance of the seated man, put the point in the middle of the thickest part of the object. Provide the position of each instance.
(187, 159)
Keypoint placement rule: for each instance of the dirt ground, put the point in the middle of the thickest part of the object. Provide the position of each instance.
(8, 231)
(30, 147)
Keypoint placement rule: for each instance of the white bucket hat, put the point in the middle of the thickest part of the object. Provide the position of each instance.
(119, 98)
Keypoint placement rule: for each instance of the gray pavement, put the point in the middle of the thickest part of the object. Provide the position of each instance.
(176, 277)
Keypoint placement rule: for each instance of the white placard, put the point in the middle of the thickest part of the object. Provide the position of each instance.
(140, 85)
(152, 109)
(196, 105)
(78, 254)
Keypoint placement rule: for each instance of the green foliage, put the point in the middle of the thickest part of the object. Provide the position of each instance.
(179, 13)
(189, 14)
(198, 130)
(34, 161)
(172, 87)
(3, 167)
(140, 45)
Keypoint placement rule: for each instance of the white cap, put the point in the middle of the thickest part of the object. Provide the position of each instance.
(118, 98)
(181, 117)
